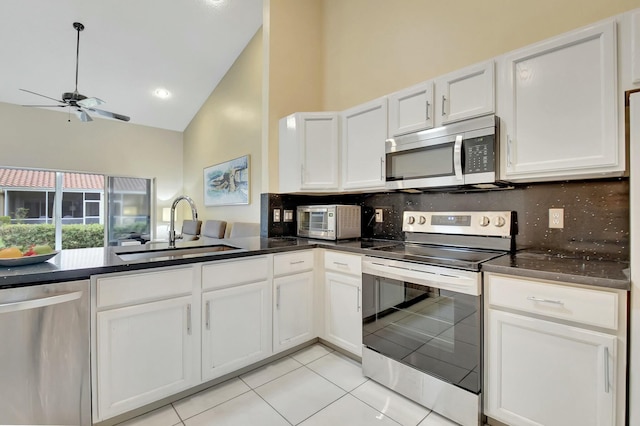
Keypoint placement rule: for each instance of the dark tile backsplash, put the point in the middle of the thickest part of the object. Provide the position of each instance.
(596, 213)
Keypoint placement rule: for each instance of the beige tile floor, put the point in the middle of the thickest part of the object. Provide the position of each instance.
(315, 386)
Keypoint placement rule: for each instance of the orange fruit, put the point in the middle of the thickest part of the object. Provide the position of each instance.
(10, 252)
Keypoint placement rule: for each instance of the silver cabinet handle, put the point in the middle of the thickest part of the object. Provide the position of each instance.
(443, 100)
(509, 163)
(382, 168)
(428, 105)
(40, 302)
(278, 297)
(537, 299)
(457, 157)
(208, 315)
(606, 369)
(340, 264)
(297, 262)
(189, 319)
(358, 301)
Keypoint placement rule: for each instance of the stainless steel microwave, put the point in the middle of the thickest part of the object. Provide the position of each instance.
(463, 153)
(329, 222)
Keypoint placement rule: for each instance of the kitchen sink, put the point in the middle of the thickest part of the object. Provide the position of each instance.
(177, 253)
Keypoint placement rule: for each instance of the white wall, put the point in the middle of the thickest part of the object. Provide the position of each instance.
(39, 138)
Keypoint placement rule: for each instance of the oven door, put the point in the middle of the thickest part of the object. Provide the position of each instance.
(433, 330)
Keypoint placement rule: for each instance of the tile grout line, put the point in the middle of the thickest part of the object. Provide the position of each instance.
(272, 407)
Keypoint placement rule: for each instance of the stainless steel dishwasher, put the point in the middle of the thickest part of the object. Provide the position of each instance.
(44, 355)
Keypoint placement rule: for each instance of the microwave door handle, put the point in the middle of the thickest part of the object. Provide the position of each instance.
(457, 157)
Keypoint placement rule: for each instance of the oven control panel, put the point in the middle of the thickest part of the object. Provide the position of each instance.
(487, 223)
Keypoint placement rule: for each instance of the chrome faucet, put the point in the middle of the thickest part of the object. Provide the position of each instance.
(172, 223)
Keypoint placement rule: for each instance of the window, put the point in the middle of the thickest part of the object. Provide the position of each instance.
(27, 197)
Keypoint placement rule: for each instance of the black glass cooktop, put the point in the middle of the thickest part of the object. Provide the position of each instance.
(454, 257)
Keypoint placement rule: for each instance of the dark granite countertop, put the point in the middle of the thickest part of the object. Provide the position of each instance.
(574, 270)
(79, 264)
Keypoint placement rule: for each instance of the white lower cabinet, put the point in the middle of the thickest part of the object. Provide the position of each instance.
(544, 365)
(293, 310)
(146, 349)
(543, 373)
(343, 301)
(237, 328)
(343, 312)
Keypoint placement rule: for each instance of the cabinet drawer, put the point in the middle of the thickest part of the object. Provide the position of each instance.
(582, 305)
(292, 262)
(228, 273)
(144, 286)
(345, 263)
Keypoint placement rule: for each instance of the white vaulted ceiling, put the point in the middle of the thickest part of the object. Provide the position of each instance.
(128, 49)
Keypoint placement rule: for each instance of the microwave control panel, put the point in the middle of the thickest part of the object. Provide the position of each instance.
(479, 155)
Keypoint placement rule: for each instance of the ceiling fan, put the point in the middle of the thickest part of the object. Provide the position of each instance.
(74, 100)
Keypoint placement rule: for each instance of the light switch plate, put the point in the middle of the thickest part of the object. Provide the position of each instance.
(556, 218)
(288, 215)
(379, 216)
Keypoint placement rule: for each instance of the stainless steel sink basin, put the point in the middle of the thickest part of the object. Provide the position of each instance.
(177, 253)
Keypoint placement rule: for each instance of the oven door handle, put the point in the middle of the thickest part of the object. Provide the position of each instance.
(457, 158)
(462, 283)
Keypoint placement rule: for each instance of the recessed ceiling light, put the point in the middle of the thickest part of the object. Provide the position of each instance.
(162, 93)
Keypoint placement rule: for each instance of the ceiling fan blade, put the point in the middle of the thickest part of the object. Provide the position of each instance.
(110, 114)
(90, 102)
(38, 94)
(83, 116)
(46, 106)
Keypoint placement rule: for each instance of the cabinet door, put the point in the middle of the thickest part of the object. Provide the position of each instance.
(237, 328)
(318, 138)
(293, 310)
(343, 311)
(560, 107)
(144, 353)
(466, 93)
(411, 109)
(308, 152)
(544, 373)
(364, 132)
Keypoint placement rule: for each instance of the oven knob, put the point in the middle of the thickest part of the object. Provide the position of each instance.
(411, 220)
(499, 221)
(423, 220)
(484, 221)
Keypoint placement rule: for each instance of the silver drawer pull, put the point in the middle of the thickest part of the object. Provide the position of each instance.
(189, 319)
(537, 299)
(296, 263)
(340, 264)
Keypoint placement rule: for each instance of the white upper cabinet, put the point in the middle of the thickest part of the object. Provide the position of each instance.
(411, 109)
(465, 93)
(462, 94)
(308, 151)
(364, 132)
(559, 105)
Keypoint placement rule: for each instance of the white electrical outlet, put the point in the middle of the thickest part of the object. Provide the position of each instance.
(556, 218)
(379, 217)
(276, 215)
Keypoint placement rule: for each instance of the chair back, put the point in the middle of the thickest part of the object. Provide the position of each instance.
(214, 228)
(244, 229)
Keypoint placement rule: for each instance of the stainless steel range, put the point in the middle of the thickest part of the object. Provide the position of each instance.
(422, 310)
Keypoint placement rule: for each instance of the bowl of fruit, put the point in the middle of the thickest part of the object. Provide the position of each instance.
(14, 256)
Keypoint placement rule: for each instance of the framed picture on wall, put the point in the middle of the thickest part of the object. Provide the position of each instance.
(227, 183)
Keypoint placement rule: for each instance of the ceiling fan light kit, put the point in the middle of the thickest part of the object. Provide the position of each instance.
(81, 103)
